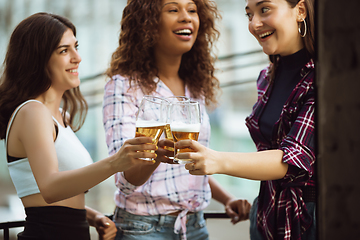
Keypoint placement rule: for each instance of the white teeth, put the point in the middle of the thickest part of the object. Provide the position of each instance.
(265, 34)
(73, 70)
(183, 31)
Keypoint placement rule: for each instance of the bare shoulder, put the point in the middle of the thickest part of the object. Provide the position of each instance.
(34, 113)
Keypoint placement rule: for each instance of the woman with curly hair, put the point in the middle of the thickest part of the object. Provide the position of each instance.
(165, 51)
(50, 168)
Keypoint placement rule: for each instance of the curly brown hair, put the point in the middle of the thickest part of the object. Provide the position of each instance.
(134, 57)
(26, 74)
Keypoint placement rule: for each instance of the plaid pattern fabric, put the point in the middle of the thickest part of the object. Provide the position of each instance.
(282, 213)
(170, 188)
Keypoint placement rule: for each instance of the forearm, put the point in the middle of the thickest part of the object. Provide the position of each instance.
(63, 185)
(138, 175)
(218, 192)
(263, 165)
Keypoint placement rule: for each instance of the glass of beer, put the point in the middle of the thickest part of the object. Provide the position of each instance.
(185, 122)
(168, 134)
(151, 119)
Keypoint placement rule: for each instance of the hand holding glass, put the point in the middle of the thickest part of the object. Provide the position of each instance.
(184, 124)
(151, 119)
(168, 134)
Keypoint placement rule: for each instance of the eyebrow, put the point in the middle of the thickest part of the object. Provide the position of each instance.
(67, 45)
(258, 3)
(190, 2)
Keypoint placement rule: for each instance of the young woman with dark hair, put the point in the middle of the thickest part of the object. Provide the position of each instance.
(50, 168)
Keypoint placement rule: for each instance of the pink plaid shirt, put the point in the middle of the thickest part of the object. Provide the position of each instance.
(170, 188)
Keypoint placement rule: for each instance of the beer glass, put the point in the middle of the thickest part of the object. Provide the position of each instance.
(185, 122)
(151, 119)
(168, 134)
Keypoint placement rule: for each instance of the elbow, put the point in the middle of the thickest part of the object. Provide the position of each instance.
(281, 172)
(49, 196)
(49, 199)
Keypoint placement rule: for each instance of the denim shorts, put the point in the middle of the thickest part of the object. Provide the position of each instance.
(158, 227)
(310, 234)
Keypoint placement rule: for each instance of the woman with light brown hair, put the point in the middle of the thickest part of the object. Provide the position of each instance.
(165, 51)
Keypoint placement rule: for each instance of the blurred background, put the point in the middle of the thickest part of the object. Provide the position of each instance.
(98, 26)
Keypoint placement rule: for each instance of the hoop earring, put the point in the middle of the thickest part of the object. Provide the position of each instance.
(302, 35)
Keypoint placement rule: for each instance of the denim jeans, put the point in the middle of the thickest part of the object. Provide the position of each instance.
(310, 234)
(158, 227)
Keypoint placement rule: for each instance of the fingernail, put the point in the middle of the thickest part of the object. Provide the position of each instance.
(107, 224)
(157, 147)
(236, 218)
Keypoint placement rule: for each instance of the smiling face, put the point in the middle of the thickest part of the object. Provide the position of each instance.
(275, 25)
(178, 26)
(64, 62)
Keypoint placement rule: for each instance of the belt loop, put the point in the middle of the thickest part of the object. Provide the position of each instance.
(160, 223)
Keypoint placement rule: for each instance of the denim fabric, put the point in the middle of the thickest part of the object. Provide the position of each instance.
(310, 234)
(157, 227)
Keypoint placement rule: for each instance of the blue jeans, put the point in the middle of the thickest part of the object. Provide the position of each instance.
(310, 234)
(158, 227)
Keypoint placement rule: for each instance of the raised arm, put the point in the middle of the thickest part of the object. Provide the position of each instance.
(35, 130)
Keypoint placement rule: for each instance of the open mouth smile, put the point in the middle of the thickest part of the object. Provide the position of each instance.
(266, 34)
(183, 32)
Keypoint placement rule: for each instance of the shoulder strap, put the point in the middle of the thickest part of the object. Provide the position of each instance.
(13, 117)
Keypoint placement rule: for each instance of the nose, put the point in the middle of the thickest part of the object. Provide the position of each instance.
(75, 58)
(184, 16)
(256, 22)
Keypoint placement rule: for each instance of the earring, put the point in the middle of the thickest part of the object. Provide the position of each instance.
(303, 35)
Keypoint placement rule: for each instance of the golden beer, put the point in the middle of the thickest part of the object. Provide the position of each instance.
(182, 132)
(147, 130)
(168, 136)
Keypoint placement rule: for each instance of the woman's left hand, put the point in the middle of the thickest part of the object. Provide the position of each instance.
(238, 210)
(163, 153)
(105, 227)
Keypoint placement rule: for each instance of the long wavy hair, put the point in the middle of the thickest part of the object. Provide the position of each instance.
(309, 39)
(134, 57)
(25, 72)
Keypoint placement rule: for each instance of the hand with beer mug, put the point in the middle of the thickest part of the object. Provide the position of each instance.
(151, 119)
(184, 124)
(168, 133)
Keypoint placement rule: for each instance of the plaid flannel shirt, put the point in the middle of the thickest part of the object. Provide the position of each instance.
(170, 188)
(282, 212)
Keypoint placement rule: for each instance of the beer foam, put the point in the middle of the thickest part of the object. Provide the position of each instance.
(182, 127)
(145, 124)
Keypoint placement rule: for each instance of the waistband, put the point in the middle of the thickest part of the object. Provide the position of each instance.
(159, 220)
(55, 214)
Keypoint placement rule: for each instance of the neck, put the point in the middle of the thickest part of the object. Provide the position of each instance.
(52, 101)
(168, 67)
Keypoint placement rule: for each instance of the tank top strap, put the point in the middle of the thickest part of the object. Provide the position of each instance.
(13, 117)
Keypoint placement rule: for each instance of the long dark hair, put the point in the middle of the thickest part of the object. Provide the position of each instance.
(309, 39)
(25, 74)
(134, 57)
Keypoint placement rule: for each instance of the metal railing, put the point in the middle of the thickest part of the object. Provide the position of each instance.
(6, 226)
